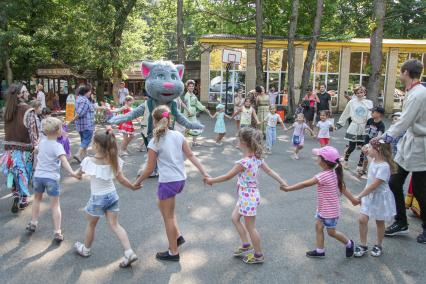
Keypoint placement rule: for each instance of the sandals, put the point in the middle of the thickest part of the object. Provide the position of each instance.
(127, 261)
(31, 227)
(58, 237)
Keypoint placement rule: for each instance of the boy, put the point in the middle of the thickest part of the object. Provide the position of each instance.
(374, 128)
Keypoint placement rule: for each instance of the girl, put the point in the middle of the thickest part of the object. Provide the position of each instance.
(238, 104)
(126, 128)
(102, 169)
(324, 126)
(298, 138)
(271, 130)
(247, 113)
(248, 191)
(50, 157)
(358, 109)
(168, 150)
(377, 200)
(330, 186)
(219, 127)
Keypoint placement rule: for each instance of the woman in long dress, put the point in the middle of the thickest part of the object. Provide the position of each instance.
(262, 102)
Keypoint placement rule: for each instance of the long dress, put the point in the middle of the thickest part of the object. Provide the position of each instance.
(262, 110)
(220, 123)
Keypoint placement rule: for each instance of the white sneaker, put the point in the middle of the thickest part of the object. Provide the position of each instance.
(82, 250)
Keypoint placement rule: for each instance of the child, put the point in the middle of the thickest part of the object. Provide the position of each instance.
(65, 141)
(374, 128)
(377, 200)
(248, 191)
(168, 150)
(102, 169)
(238, 104)
(126, 128)
(324, 126)
(330, 186)
(219, 127)
(298, 138)
(247, 113)
(271, 130)
(51, 156)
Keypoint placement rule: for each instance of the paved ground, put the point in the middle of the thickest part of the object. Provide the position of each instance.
(285, 222)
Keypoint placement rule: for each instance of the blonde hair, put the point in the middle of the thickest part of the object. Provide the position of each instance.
(161, 116)
(107, 145)
(253, 138)
(128, 99)
(385, 150)
(51, 125)
(35, 104)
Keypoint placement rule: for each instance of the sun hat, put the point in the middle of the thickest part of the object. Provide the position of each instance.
(220, 106)
(397, 114)
(328, 153)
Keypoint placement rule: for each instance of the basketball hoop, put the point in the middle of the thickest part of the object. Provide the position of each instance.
(231, 56)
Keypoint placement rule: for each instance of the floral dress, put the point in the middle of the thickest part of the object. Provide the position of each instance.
(247, 184)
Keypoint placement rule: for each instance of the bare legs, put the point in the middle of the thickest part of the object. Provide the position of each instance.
(319, 228)
(167, 209)
(220, 137)
(247, 230)
(363, 230)
(54, 207)
(127, 138)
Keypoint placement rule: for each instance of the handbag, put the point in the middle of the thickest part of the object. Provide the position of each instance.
(297, 138)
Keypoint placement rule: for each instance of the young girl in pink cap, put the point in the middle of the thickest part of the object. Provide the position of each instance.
(330, 185)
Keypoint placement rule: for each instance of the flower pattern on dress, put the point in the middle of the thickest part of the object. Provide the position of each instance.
(248, 191)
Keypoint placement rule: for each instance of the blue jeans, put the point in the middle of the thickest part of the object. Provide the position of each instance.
(51, 186)
(86, 138)
(99, 204)
(271, 136)
(329, 223)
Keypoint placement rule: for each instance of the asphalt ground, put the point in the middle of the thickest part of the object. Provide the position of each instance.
(285, 222)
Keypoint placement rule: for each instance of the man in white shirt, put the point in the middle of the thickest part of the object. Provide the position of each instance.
(41, 97)
(122, 93)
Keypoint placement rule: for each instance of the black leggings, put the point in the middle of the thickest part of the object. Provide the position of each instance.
(351, 148)
(396, 184)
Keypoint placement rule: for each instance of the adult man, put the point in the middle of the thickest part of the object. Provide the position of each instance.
(122, 93)
(410, 156)
(41, 97)
(325, 101)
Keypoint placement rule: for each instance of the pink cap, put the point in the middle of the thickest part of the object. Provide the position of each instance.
(328, 153)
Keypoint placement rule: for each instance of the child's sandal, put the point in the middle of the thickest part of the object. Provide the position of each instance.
(127, 261)
(31, 227)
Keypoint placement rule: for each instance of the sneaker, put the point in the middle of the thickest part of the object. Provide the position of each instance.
(167, 256)
(240, 251)
(127, 261)
(396, 229)
(82, 250)
(180, 241)
(251, 259)
(315, 254)
(360, 251)
(31, 227)
(15, 204)
(350, 250)
(23, 205)
(295, 156)
(58, 237)
(376, 251)
(421, 239)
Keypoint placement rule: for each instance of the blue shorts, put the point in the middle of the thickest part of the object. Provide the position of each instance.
(51, 186)
(329, 223)
(99, 204)
(86, 138)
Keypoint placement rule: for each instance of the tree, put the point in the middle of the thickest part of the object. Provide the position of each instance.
(291, 55)
(179, 32)
(376, 42)
(311, 49)
(259, 43)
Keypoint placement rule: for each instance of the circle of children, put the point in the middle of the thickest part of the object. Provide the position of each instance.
(168, 149)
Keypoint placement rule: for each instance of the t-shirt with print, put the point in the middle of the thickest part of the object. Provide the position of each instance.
(379, 171)
(48, 163)
(170, 156)
(248, 177)
(328, 203)
(272, 119)
(324, 101)
(372, 128)
(324, 128)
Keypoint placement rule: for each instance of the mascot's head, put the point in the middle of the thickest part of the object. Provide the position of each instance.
(163, 80)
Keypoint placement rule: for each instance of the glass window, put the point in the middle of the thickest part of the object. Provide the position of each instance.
(402, 57)
(417, 56)
(353, 80)
(274, 60)
(273, 80)
(355, 65)
(321, 61)
(216, 59)
(366, 68)
(333, 61)
(333, 82)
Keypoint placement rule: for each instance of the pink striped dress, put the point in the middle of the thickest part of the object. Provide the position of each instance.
(328, 201)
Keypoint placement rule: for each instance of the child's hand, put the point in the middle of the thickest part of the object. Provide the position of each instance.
(208, 180)
(77, 174)
(136, 186)
(284, 188)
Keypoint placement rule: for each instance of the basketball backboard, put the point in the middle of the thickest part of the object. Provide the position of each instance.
(231, 56)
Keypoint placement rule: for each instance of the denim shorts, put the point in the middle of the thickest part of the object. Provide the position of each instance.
(329, 223)
(51, 186)
(99, 204)
(86, 138)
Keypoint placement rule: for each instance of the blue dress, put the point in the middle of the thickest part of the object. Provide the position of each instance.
(220, 123)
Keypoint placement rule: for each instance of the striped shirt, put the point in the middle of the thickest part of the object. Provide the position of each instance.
(328, 203)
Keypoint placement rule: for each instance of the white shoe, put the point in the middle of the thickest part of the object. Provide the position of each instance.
(81, 249)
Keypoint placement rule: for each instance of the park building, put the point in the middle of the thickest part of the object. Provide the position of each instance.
(338, 64)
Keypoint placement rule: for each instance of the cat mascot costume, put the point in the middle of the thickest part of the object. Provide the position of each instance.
(163, 83)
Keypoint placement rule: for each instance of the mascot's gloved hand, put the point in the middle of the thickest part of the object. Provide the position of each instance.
(137, 112)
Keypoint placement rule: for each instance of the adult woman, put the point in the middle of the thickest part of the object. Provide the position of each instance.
(238, 104)
(309, 111)
(262, 102)
(84, 120)
(21, 138)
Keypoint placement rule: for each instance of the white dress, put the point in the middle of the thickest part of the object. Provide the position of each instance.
(380, 203)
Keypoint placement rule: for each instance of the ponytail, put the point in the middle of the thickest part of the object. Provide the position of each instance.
(161, 116)
(338, 168)
(108, 145)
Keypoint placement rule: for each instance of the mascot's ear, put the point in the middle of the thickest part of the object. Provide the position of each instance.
(180, 69)
(146, 68)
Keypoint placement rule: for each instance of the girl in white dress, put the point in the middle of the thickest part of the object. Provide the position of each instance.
(377, 201)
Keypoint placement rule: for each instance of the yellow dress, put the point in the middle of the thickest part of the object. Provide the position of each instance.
(262, 110)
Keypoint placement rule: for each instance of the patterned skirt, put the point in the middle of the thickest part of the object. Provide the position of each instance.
(17, 166)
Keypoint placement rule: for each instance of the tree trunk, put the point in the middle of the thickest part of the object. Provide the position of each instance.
(376, 42)
(6, 50)
(179, 32)
(311, 49)
(122, 11)
(259, 43)
(291, 54)
(100, 87)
